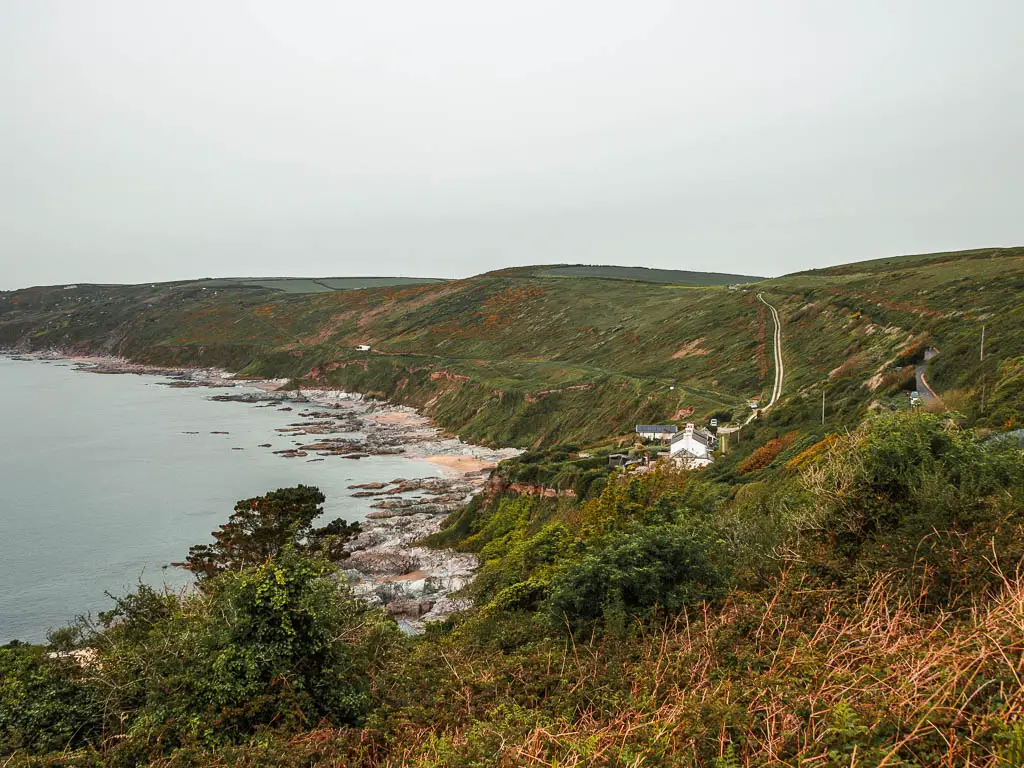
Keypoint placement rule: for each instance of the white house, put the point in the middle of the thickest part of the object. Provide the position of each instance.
(692, 448)
(363, 347)
(656, 431)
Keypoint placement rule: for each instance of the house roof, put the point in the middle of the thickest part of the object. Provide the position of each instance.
(656, 428)
(685, 454)
(700, 435)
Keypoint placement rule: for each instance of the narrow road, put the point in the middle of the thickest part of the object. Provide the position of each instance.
(780, 370)
(923, 388)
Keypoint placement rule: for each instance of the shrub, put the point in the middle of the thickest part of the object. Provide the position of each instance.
(522, 560)
(897, 465)
(45, 704)
(910, 493)
(671, 566)
(262, 526)
(766, 454)
(279, 644)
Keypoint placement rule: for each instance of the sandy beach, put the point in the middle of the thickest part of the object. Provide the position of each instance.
(461, 464)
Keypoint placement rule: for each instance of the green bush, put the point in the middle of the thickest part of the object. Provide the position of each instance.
(521, 560)
(897, 469)
(45, 703)
(281, 644)
(671, 566)
(917, 496)
(262, 526)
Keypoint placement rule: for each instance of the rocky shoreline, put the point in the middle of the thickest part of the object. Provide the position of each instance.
(385, 566)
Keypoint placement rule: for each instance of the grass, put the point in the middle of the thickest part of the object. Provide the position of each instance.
(878, 682)
(645, 275)
(534, 354)
(327, 284)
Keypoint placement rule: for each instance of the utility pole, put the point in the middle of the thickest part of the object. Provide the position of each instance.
(823, 406)
(982, 344)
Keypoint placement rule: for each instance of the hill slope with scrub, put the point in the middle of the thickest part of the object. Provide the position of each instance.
(526, 357)
(824, 594)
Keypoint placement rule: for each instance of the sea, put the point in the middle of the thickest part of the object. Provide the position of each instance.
(107, 479)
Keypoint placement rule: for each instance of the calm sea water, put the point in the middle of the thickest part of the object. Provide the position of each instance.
(100, 486)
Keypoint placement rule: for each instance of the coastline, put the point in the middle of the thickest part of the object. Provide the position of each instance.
(413, 584)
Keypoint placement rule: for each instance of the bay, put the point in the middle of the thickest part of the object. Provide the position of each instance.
(102, 485)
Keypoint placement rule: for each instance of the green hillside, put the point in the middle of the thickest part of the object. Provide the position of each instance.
(525, 358)
(640, 274)
(316, 284)
(846, 593)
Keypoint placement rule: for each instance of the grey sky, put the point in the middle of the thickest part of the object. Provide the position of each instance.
(144, 140)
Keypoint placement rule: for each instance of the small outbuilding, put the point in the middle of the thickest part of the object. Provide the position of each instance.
(624, 460)
(656, 431)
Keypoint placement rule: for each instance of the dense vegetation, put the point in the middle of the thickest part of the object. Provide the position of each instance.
(261, 527)
(846, 593)
(863, 604)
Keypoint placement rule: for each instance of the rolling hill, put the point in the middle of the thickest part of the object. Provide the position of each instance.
(639, 274)
(534, 355)
(835, 593)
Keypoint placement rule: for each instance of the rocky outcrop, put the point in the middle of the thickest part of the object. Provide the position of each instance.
(386, 564)
(415, 584)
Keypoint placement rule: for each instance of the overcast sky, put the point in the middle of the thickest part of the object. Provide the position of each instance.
(144, 140)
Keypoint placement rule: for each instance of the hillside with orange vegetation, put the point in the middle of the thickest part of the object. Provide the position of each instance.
(532, 355)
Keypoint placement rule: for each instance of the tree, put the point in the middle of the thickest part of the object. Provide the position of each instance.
(263, 525)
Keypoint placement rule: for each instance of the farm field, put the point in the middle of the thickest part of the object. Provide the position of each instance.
(315, 284)
(639, 274)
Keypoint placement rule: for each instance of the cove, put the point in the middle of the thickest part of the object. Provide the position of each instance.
(106, 479)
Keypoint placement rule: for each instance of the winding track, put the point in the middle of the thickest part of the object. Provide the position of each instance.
(780, 370)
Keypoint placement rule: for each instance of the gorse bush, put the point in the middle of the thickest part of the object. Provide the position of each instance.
(896, 469)
(916, 495)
